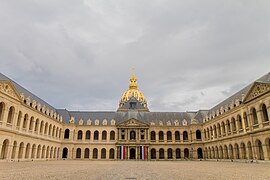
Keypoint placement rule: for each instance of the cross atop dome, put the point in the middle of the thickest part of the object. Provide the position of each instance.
(133, 81)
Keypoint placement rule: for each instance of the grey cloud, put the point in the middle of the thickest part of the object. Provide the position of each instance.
(187, 55)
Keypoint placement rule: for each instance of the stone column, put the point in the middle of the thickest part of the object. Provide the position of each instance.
(14, 119)
(268, 112)
(29, 124)
(92, 136)
(247, 152)
(35, 153)
(243, 123)
(254, 150)
(250, 119)
(148, 153)
(0, 149)
(5, 115)
(181, 137)
(82, 153)
(71, 156)
(60, 154)
(127, 152)
(265, 152)
(260, 117)
(23, 152)
(237, 126)
(118, 134)
(225, 130)
(118, 152)
(241, 152)
(22, 121)
(195, 154)
(182, 153)
(8, 154)
(138, 152)
(217, 131)
(17, 152)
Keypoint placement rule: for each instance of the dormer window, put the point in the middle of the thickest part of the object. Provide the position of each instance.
(132, 105)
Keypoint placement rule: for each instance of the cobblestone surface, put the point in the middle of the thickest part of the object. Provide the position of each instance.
(79, 169)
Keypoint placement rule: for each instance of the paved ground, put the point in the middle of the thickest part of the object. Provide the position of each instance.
(134, 170)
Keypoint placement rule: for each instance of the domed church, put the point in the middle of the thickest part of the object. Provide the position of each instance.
(237, 128)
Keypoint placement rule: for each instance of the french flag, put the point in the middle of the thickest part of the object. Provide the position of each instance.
(143, 152)
(123, 152)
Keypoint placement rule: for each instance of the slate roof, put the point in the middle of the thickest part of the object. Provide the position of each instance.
(119, 117)
(26, 93)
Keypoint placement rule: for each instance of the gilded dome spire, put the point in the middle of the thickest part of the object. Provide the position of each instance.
(133, 81)
(133, 92)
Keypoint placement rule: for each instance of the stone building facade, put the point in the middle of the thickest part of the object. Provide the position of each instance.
(237, 128)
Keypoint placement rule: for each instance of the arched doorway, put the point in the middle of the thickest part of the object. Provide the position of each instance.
(132, 153)
(170, 153)
(103, 153)
(153, 154)
(259, 148)
(111, 156)
(86, 153)
(161, 153)
(200, 153)
(186, 153)
(267, 143)
(178, 153)
(65, 153)
(4, 149)
(95, 153)
(78, 153)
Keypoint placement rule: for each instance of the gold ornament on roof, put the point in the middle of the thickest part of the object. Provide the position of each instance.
(133, 81)
(133, 92)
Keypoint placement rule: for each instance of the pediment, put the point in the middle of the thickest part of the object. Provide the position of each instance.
(257, 89)
(133, 123)
(6, 87)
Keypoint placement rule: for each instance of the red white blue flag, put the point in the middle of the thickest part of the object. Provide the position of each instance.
(143, 152)
(123, 152)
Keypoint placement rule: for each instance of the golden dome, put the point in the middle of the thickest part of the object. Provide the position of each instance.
(133, 92)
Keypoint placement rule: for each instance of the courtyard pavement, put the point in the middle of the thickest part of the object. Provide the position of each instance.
(131, 170)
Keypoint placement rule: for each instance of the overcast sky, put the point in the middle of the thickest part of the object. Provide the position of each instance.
(187, 55)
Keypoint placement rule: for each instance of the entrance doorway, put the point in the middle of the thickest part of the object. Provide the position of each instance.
(200, 153)
(132, 153)
(65, 153)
